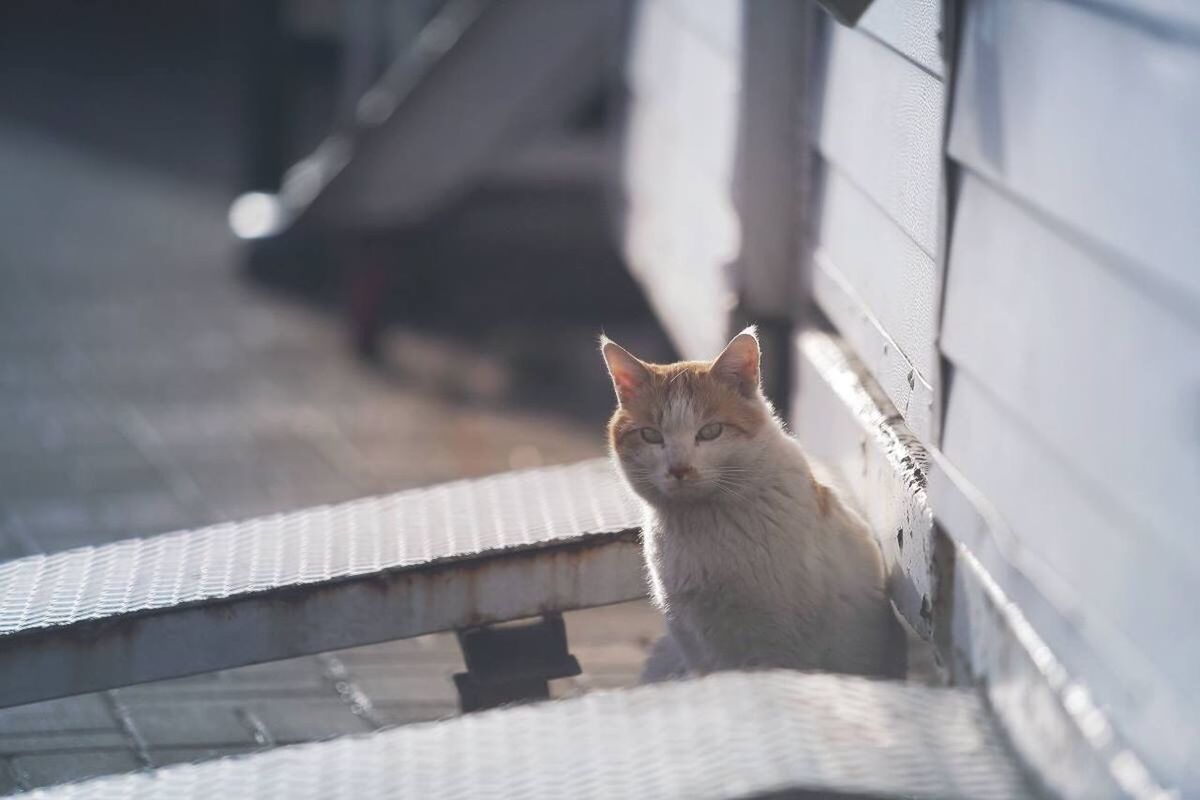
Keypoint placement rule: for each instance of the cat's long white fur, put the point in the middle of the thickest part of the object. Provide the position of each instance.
(767, 579)
(753, 561)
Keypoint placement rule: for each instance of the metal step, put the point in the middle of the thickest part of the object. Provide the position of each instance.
(725, 736)
(482, 80)
(449, 557)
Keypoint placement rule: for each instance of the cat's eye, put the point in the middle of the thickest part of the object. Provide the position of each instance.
(709, 432)
(652, 436)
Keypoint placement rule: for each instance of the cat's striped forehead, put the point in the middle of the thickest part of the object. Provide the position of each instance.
(682, 396)
(679, 410)
(678, 394)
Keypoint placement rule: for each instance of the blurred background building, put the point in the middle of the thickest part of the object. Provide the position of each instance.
(263, 255)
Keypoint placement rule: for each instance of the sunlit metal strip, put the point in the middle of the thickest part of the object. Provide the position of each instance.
(725, 736)
(456, 555)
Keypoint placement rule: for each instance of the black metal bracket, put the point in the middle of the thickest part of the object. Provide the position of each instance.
(512, 663)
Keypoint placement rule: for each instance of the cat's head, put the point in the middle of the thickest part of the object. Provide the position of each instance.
(687, 431)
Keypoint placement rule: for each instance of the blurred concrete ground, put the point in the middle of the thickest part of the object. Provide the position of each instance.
(145, 387)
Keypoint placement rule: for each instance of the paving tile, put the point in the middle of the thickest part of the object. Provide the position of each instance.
(64, 741)
(49, 517)
(77, 520)
(162, 756)
(189, 724)
(635, 621)
(298, 676)
(402, 683)
(113, 470)
(70, 539)
(609, 657)
(15, 542)
(142, 513)
(213, 426)
(438, 649)
(44, 423)
(9, 784)
(258, 475)
(85, 712)
(304, 719)
(408, 713)
(47, 769)
(32, 477)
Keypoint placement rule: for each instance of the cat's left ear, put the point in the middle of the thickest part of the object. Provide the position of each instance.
(738, 363)
(629, 375)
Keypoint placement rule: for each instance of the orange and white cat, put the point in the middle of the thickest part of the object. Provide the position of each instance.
(753, 562)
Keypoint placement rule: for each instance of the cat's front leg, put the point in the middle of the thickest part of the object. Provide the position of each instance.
(665, 661)
(697, 655)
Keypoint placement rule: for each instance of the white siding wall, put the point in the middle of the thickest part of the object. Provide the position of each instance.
(1071, 305)
(681, 232)
(1068, 317)
(878, 142)
(1072, 321)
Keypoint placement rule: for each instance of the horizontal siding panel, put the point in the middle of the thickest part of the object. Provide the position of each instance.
(908, 26)
(895, 279)
(1130, 600)
(1106, 378)
(880, 121)
(1093, 120)
(908, 391)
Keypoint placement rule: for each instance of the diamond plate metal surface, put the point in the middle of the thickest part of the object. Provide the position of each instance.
(728, 735)
(406, 530)
(472, 552)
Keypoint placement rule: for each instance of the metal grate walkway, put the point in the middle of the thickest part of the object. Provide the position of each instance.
(448, 557)
(725, 736)
(451, 556)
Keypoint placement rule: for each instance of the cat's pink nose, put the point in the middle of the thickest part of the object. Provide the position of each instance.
(680, 472)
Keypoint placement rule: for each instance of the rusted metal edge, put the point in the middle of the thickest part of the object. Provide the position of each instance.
(843, 418)
(858, 390)
(468, 558)
(1048, 714)
(284, 622)
(908, 392)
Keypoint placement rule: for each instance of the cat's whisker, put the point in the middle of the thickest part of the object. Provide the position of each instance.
(731, 489)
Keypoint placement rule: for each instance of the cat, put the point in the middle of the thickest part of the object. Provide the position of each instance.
(753, 561)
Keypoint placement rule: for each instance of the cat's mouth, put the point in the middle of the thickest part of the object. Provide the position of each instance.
(682, 488)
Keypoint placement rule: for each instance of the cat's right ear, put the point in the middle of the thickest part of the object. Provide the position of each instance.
(629, 375)
(738, 363)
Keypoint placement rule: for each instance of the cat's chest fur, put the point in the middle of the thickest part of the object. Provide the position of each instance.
(784, 581)
(713, 548)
